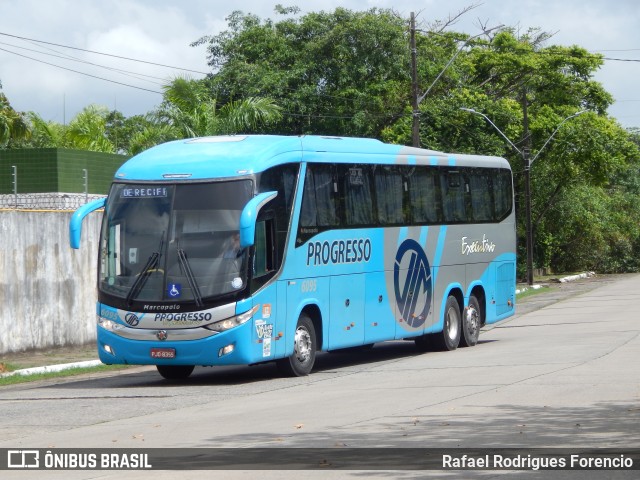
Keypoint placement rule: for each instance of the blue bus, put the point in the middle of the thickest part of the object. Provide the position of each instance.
(248, 249)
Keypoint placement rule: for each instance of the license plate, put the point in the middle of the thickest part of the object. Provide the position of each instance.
(163, 353)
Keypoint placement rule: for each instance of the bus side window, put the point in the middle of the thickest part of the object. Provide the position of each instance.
(453, 197)
(356, 193)
(502, 192)
(389, 189)
(423, 185)
(263, 262)
(481, 190)
(319, 198)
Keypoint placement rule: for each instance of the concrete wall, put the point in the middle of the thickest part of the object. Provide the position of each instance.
(47, 290)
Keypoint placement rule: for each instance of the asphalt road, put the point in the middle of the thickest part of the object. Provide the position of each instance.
(561, 375)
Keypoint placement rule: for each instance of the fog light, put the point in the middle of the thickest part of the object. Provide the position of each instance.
(108, 349)
(226, 350)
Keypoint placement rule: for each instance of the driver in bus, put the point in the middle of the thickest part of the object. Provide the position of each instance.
(232, 246)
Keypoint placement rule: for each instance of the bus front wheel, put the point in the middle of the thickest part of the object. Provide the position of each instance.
(301, 361)
(175, 372)
(449, 338)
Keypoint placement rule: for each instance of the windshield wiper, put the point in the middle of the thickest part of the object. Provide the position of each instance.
(184, 262)
(145, 273)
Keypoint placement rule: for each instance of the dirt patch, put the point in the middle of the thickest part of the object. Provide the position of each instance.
(49, 356)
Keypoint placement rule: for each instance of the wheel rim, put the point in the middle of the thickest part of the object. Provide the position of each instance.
(473, 320)
(452, 323)
(302, 344)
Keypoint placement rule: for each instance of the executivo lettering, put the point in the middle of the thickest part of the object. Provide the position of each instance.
(477, 246)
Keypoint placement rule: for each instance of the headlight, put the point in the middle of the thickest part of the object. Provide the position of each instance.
(227, 323)
(109, 325)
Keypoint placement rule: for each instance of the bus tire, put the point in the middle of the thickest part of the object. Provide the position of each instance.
(449, 338)
(175, 372)
(471, 322)
(300, 362)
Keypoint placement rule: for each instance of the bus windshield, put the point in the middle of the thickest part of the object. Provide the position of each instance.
(173, 243)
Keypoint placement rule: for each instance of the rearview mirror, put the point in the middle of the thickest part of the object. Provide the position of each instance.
(249, 215)
(75, 225)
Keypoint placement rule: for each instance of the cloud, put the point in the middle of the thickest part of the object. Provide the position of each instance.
(161, 31)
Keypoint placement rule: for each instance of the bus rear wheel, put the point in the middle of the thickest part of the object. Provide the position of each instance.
(471, 323)
(300, 362)
(449, 338)
(175, 372)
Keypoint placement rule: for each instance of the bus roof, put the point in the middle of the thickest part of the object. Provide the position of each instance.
(238, 155)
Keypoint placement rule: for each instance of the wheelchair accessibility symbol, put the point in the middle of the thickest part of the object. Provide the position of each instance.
(174, 290)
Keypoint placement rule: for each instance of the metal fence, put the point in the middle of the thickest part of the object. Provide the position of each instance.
(46, 201)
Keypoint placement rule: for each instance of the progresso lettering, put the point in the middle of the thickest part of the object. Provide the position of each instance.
(183, 317)
(355, 250)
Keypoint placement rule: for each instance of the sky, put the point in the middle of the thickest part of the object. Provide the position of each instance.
(57, 82)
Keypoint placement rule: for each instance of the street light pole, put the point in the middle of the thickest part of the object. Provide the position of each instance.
(525, 153)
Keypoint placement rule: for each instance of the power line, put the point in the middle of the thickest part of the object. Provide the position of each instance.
(81, 73)
(105, 54)
(73, 59)
(635, 60)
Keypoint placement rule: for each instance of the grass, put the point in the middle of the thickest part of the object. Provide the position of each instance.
(7, 367)
(530, 292)
(16, 379)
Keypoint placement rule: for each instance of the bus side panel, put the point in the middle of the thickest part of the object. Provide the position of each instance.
(346, 322)
(503, 302)
(301, 293)
(380, 322)
(267, 322)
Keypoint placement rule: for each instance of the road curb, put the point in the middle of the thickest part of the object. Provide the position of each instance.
(569, 278)
(579, 276)
(52, 368)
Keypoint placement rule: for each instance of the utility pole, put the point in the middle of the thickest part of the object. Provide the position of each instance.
(526, 154)
(415, 126)
(416, 98)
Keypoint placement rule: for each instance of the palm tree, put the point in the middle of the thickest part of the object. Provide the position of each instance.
(189, 110)
(13, 125)
(153, 134)
(87, 130)
(189, 107)
(46, 134)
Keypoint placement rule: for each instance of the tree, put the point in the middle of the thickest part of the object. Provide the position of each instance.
(189, 109)
(347, 73)
(45, 134)
(13, 125)
(192, 110)
(550, 84)
(88, 130)
(337, 73)
(120, 130)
